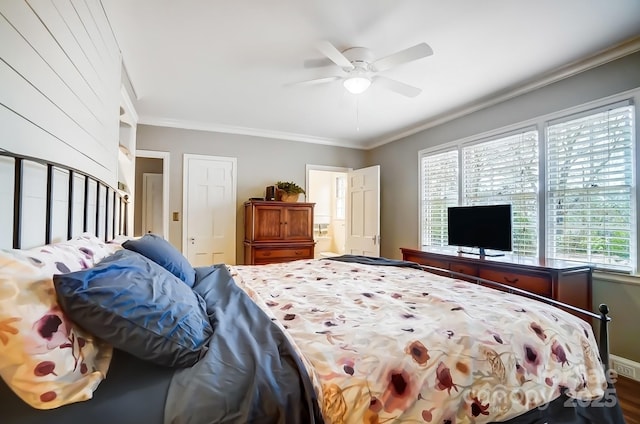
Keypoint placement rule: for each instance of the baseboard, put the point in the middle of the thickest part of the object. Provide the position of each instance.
(625, 367)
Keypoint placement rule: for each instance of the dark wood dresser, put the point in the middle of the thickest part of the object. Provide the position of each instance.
(567, 282)
(277, 231)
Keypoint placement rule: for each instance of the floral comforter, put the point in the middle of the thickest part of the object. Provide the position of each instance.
(389, 344)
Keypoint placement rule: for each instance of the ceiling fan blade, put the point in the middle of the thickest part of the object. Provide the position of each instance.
(403, 56)
(318, 63)
(397, 86)
(328, 49)
(315, 81)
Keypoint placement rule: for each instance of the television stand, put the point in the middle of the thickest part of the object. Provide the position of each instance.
(482, 252)
(567, 282)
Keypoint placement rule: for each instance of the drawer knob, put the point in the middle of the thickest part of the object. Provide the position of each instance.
(510, 281)
(267, 253)
(298, 253)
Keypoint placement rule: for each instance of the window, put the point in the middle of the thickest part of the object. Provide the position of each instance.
(590, 187)
(572, 194)
(440, 190)
(505, 170)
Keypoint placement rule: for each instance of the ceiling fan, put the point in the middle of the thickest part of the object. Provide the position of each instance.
(361, 68)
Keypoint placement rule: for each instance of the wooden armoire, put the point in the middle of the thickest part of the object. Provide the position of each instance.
(277, 231)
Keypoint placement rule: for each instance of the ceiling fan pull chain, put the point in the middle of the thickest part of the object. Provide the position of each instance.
(358, 114)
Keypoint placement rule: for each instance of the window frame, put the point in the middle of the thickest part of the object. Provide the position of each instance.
(634, 164)
(422, 183)
(540, 123)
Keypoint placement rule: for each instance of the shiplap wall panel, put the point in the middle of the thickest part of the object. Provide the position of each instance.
(110, 215)
(23, 137)
(77, 217)
(104, 28)
(102, 212)
(47, 115)
(60, 205)
(6, 199)
(92, 51)
(88, 82)
(60, 84)
(34, 204)
(40, 61)
(70, 15)
(119, 220)
(96, 36)
(91, 207)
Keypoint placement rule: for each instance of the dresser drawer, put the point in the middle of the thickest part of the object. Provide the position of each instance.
(468, 269)
(427, 261)
(284, 253)
(538, 284)
(464, 268)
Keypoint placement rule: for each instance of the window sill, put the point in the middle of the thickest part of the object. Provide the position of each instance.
(616, 277)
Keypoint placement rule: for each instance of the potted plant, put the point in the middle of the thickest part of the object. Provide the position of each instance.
(288, 191)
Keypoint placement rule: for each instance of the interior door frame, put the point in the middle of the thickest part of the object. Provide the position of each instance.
(327, 168)
(185, 191)
(165, 156)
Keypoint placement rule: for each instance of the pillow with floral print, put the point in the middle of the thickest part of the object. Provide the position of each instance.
(90, 248)
(76, 254)
(45, 358)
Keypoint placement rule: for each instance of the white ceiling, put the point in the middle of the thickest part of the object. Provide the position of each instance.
(224, 65)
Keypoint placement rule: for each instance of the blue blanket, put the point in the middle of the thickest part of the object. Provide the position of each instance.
(250, 374)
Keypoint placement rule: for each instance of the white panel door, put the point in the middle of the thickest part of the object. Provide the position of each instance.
(363, 212)
(209, 228)
(152, 204)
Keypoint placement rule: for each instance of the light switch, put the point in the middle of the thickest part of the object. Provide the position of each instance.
(176, 216)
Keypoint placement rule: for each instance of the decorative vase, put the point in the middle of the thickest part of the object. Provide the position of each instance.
(287, 197)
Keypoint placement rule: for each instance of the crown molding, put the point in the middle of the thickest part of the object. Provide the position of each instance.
(255, 132)
(623, 49)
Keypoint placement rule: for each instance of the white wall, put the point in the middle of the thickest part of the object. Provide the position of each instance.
(60, 84)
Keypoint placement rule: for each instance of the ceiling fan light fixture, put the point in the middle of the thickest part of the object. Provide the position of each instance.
(357, 84)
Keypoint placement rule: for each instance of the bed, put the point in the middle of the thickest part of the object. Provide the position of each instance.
(336, 340)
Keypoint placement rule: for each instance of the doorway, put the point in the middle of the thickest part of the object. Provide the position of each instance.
(326, 187)
(151, 199)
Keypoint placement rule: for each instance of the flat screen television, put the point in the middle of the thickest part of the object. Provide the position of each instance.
(482, 227)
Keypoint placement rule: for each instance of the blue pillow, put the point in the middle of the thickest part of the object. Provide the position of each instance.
(139, 307)
(163, 253)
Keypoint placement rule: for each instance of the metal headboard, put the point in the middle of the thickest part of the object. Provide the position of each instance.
(116, 215)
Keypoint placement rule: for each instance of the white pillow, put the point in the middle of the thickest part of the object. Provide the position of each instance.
(45, 358)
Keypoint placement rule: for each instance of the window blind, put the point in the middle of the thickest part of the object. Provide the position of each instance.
(440, 190)
(505, 171)
(590, 206)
